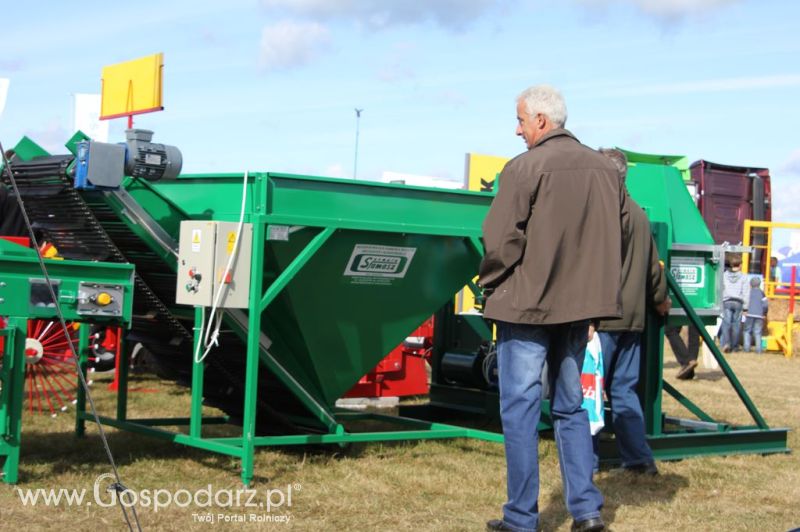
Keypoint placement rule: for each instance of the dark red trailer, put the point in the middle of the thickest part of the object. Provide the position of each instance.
(729, 195)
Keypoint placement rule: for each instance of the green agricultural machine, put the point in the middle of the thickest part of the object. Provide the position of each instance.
(464, 370)
(314, 281)
(270, 294)
(98, 293)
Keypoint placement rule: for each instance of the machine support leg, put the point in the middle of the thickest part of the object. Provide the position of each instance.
(14, 372)
(196, 419)
(252, 362)
(80, 399)
(123, 359)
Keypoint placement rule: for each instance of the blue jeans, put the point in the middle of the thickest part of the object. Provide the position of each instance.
(731, 323)
(753, 327)
(621, 359)
(521, 353)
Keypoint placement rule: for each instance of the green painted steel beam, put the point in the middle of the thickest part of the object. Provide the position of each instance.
(295, 266)
(175, 437)
(323, 202)
(687, 403)
(178, 421)
(682, 445)
(437, 431)
(12, 374)
(198, 370)
(726, 369)
(677, 446)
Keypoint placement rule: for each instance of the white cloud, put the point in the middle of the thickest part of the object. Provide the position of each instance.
(700, 86)
(288, 44)
(4, 83)
(665, 9)
(452, 14)
(51, 136)
(11, 65)
(397, 64)
(792, 166)
(785, 207)
(452, 98)
(334, 170)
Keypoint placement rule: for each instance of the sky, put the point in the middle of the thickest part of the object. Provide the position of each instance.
(274, 84)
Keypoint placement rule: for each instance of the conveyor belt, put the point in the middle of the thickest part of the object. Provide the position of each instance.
(83, 227)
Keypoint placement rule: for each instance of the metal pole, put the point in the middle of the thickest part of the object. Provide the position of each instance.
(355, 161)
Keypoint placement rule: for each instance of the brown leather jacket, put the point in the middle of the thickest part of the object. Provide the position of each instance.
(643, 279)
(553, 236)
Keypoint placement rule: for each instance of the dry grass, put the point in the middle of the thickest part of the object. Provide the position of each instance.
(436, 485)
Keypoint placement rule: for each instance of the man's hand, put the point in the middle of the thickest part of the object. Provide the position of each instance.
(663, 307)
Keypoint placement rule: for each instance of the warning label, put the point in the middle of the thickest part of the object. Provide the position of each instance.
(196, 240)
(231, 242)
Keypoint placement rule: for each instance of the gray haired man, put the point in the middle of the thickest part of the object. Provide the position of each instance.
(552, 265)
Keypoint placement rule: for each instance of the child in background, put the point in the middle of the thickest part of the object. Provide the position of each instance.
(734, 294)
(756, 311)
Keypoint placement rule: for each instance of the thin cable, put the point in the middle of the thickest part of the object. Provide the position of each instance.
(223, 285)
(118, 486)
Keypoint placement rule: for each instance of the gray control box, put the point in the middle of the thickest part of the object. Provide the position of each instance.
(97, 299)
(204, 252)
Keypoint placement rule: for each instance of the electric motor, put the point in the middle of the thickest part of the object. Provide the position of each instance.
(149, 160)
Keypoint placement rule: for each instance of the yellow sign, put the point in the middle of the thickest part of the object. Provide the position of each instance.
(482, 170)
(133, 87)
(231, 242)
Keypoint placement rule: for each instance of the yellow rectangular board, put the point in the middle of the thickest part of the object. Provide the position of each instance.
(481, 172)
(132, 87)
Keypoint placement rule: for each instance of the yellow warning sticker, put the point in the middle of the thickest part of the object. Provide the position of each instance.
(196, 240)
(231, 242)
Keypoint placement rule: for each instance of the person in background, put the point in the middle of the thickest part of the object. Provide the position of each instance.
(685, 353)
(755, 314)
(774, 276)
(552, 264)
(643, 285)
(733, 297)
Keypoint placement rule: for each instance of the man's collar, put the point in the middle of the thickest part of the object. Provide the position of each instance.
(556, 132)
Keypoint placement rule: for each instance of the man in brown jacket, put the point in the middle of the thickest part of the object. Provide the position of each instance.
(552, 264)
(643, 284)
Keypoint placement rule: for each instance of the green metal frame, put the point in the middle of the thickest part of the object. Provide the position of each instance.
(296, 201)
(672, 437)
(12, 384)
(18, 266)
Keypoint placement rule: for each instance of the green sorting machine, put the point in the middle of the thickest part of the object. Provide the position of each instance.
(86, 292)
(463, 381)
(317, 279)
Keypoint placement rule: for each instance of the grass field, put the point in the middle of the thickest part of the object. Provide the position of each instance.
(435, 485)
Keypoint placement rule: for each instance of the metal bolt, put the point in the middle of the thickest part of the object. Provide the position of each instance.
(2, 284)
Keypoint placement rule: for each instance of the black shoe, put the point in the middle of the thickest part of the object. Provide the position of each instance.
(687, 372)
(644, 469)
(497, 524)
(588, 525)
